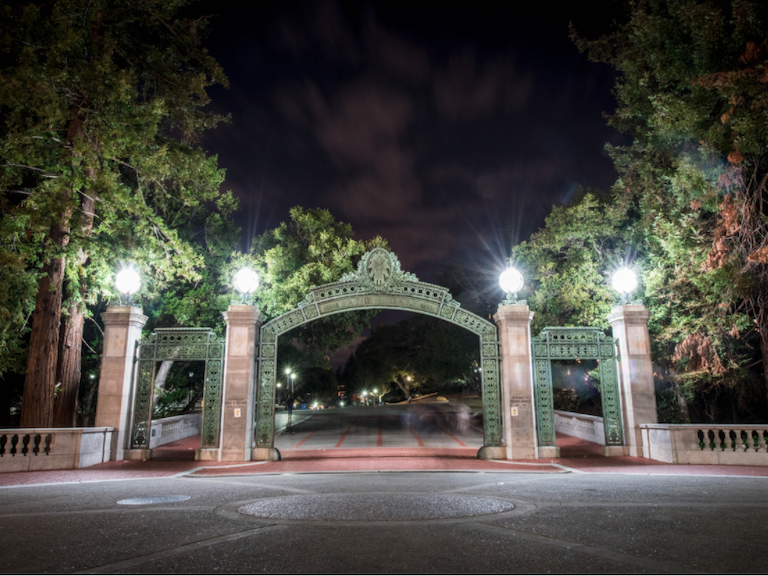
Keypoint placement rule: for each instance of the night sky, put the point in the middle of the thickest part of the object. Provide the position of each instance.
(437, 128)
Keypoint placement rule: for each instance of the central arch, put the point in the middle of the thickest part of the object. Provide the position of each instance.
(378, 283)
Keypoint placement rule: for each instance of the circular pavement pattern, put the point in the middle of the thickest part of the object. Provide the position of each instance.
(154, 500)
(376, 507)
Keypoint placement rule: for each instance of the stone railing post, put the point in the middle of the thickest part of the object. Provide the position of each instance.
(517, 406)
(237, 412)
(638, 397)
(114, 405)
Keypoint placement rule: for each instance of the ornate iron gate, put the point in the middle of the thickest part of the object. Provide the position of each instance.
(179, 344)
(576, 344)
(379, 283)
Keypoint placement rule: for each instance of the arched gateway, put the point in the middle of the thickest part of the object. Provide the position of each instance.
(378, 283)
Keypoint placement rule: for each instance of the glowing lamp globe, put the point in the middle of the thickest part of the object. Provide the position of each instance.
(246, 281)
(127, 281)
(624, 281)
(511, 281)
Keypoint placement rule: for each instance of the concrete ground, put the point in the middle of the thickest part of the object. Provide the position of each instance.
(379, 508)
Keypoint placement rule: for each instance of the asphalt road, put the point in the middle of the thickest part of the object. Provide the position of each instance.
(428, 522)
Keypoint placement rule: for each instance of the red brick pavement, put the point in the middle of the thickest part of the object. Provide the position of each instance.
(178, 458)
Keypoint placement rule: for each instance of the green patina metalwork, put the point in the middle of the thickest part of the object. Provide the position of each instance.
(573, 344)
(179, 344)
(378, 283)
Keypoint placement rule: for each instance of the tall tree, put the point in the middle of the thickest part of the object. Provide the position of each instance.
(101, 103)
(568, 263)
(692, 91)
(310, 250)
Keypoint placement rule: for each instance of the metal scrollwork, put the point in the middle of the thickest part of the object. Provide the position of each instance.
(582, 344)
(378, 282)
(179, 344)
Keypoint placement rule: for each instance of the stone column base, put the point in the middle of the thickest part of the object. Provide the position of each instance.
(614, 450)
(547, 452)
(207, 454)
(492, 453)
(265, 454)
(137, 454)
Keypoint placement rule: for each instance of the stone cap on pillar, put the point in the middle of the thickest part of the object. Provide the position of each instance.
(242, 315)
(123, 316)
(514, 313)
(629, 313)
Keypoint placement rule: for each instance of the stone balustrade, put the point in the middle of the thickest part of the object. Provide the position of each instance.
(581, 426)
(167, 430)
(706, 443)
(23, 449)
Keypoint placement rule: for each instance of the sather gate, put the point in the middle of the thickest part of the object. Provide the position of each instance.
(238, 419)
(378, 283)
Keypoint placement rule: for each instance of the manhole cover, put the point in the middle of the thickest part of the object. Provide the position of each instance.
(154, 500)
(374, 507)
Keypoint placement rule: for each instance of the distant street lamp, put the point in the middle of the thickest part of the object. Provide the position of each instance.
(127, 283)
(511, 281)
(374, 398)
(245, 282)
(624, 281)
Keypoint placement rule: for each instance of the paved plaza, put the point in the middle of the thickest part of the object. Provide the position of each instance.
(365, 492)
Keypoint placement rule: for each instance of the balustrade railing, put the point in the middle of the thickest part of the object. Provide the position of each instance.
(53, 448)
(706, 443)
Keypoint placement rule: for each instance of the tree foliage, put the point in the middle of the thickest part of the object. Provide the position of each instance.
(311, 250)
(568, 263)
(692, 92)
(101, 104)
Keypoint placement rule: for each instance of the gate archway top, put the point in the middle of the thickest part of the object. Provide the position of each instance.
(379, 282)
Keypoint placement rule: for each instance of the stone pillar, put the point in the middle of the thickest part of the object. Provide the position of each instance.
(237, 403)
(114, 406)
(638, 397)
(517, 406)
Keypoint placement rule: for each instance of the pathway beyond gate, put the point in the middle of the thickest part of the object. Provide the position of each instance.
(366, 441)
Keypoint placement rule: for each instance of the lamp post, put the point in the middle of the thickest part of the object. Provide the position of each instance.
(365, 400)
(127, 283)
(624, 281)
(375, 392)
(511, 281)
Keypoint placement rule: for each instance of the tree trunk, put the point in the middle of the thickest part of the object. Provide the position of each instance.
(162, 376)
(40, 382)
(88, 404)
(69, 369)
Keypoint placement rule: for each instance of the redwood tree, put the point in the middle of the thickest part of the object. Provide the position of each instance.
(102, 104)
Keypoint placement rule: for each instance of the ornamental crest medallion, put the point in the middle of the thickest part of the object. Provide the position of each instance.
(379, 271)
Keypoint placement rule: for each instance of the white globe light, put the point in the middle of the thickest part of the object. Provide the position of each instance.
(127, 281)
(246, 281)
(624, 280)
(511, 281)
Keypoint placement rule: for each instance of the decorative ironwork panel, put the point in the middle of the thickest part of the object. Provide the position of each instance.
(142, 407)
(611, 400)
(545, 415)
(572, 344)
(378, 283)
(179, 344)
(491, 402)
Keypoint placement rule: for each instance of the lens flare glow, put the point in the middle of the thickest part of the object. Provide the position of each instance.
(128, 281)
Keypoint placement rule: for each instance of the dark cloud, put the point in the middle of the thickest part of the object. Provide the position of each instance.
(448, 132)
